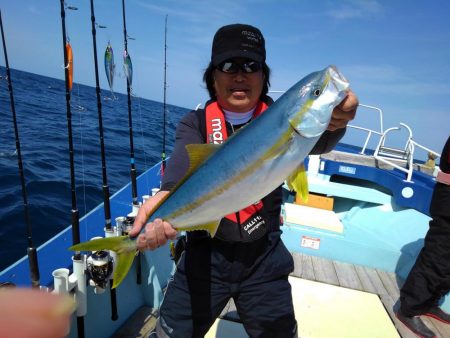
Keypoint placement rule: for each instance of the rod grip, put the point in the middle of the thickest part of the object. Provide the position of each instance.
(34, 267)
(114, 313)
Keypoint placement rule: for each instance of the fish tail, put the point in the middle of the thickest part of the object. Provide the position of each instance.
(124, 247)
(124, 262)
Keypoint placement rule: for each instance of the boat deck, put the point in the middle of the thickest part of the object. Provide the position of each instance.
(382, 283)
(356, 277)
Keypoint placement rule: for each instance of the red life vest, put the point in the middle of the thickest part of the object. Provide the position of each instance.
(216, 132)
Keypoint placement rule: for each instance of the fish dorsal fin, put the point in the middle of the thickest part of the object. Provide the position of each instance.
(298, 181)
(198, 153)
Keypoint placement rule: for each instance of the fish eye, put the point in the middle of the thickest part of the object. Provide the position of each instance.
(317, 91)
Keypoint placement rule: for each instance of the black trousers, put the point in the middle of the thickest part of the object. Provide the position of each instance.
(211, 271)
(429, 279)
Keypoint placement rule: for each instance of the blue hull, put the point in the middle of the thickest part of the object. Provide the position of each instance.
(131, 296)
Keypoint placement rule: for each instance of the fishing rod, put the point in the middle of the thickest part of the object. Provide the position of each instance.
(163, 154)
(31, 250)
(75, 211)
(130, 120)
(109, 230)
(78, 261)
(134, 195)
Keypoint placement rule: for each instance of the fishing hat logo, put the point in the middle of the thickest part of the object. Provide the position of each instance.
(238, 40)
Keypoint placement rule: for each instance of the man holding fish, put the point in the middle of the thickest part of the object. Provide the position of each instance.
(242, 256)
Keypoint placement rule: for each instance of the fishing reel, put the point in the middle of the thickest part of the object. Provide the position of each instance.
(99, 268)
(124, 224)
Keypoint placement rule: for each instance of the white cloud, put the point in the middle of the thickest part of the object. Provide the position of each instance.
(394, 80)
(358, 9)
(34, 10)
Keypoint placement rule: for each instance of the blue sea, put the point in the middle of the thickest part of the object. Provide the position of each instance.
(42, 124)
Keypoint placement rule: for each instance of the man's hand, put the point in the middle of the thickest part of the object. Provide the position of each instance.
(344, 112)
(156, 233)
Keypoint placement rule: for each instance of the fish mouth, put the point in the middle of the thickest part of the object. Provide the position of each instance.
(337, 79)
(335, 87)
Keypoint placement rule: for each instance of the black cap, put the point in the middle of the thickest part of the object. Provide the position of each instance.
(238, 40)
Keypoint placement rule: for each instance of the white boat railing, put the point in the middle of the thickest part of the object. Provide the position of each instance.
(386, 154)
(368, 130)
(392, 156)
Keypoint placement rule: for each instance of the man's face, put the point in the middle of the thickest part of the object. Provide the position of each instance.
(238, 91)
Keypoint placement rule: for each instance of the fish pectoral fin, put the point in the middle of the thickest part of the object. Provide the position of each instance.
(124, 262)
(198, 153)
(211, 227)
(117, 244)
(298, 181)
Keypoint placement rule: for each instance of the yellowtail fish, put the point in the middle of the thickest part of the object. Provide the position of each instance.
(223, 179)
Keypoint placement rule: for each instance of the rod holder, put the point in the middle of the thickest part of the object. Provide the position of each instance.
(112, 233)
(61, 280)
(76, 282)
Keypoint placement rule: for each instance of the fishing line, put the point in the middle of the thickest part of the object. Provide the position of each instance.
(77, 106)
(82, 164)
(143, 138)
(141, 130)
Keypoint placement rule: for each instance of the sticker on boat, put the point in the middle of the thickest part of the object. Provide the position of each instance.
(347, 170)
(310, 242)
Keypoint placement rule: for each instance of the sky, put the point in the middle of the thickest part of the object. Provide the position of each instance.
(395, 53)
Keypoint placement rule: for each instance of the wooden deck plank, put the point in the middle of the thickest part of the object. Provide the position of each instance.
(369, 280)
(307, 268)
(389, 284)
(139, 325)
(324, 270)
(347, 275)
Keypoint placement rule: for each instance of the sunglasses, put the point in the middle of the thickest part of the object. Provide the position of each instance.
(231, 67)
